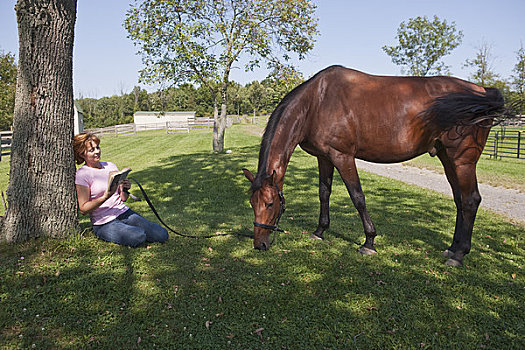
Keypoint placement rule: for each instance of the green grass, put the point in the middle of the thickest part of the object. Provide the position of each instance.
(219, 293)
(503, 172)
(508, 173)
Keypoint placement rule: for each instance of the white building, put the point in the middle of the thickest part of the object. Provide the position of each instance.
(142, 118)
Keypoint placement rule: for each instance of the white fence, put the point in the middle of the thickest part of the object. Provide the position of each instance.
(5, 143)
(131, 129)
(170, 127)
(518, 120)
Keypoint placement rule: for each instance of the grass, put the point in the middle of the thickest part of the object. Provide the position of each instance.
(507, 173)
(219, 293)
(504, 172)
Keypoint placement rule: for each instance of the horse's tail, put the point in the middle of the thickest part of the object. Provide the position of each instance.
(466, 108)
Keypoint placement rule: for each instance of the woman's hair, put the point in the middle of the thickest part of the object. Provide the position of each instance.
(80, 144)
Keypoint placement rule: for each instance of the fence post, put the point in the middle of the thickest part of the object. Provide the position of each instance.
(519, 143)
(496, 139)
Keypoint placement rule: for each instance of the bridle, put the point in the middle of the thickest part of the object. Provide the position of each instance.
(281, 211)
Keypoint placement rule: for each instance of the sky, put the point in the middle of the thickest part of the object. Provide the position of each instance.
(352, 33)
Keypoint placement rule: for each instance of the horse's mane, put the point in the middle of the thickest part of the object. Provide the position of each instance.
(271, 127)
(267, 138)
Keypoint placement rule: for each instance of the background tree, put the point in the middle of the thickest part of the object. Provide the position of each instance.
(422, 44)
(256, 94)
(518, 81)
(41, 197)
(140, 99)
(200, 41)
(7, 89)
(483, 63)
(183, 98)
(278, 83)
(236, 94)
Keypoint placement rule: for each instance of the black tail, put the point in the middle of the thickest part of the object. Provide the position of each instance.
(466, 108)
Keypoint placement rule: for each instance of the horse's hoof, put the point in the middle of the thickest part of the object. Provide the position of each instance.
(453, 262)
(316, 237)
(448, 253)
(367, 251)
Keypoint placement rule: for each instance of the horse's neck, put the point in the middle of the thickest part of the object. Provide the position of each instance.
(287, 136)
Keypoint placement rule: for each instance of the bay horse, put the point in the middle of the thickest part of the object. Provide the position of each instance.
(341, 114)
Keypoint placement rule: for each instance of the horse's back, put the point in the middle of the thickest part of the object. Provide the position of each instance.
(367, 114)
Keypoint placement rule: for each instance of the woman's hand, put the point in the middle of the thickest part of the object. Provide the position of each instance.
(111, 191)
(124, 187)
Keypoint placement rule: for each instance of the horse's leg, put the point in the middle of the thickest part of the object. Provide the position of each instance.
(461, 174)
(452, 178)
(346, 166)
(326, 174)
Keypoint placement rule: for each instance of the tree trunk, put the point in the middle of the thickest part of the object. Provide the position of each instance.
(219, 127)
(41, 193)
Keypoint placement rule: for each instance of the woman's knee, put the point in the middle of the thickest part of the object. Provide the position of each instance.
(134, 237)
(158, 234)
(120, 233)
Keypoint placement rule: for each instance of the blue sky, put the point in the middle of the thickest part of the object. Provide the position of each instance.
(351, 34)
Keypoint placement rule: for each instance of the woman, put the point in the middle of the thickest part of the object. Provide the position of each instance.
(112, 220)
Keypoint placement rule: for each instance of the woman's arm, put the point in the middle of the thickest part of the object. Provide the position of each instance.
(85, 205)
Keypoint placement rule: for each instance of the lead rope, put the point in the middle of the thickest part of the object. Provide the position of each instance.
(172, 230)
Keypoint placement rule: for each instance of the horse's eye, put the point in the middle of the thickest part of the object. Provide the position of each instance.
(269, 205)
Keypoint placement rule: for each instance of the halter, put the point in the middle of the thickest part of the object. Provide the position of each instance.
(281, 211)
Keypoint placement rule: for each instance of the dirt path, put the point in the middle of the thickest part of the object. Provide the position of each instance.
(508, 202)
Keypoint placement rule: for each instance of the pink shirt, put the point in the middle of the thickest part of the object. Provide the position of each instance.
(97, 181)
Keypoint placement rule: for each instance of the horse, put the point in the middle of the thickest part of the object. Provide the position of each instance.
(341, 114)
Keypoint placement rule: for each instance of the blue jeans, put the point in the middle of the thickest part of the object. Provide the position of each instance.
(131, 229)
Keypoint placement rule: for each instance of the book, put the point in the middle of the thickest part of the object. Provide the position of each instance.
(116, 177)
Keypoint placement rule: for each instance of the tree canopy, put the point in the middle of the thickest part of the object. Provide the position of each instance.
(518, 81)
(422, 44)
(112, 110)
(201, 41)
(484, 73)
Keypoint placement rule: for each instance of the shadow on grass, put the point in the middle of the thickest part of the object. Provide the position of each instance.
(220, 293)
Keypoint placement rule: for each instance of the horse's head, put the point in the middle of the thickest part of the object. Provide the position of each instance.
(267, 201)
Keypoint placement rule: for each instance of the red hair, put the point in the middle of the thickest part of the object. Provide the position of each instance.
(80, 145)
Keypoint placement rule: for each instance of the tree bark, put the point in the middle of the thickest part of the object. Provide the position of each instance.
(41, 197)
(218, 135)
(219, 128)
(219, 125)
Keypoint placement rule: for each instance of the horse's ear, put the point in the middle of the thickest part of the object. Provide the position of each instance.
(248, 174)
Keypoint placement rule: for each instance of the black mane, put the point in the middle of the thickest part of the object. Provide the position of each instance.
(271, 126)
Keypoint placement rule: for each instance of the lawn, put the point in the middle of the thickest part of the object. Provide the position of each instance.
(506, 172)
(503, 172)
(219, 293)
